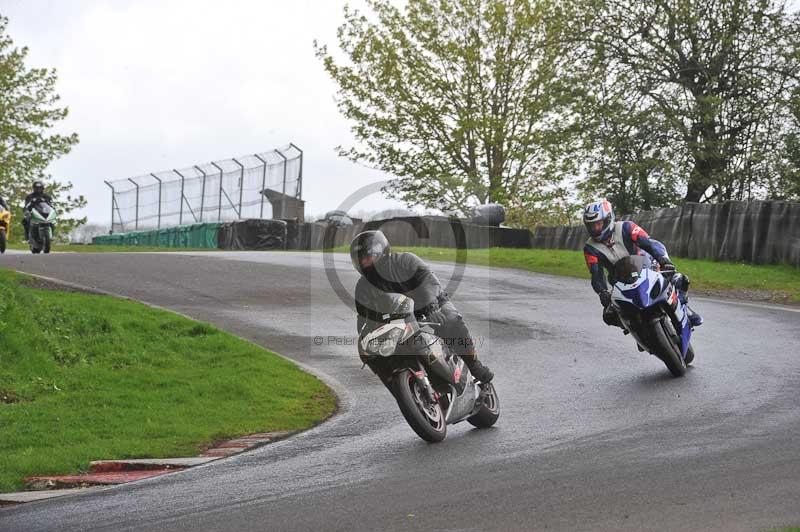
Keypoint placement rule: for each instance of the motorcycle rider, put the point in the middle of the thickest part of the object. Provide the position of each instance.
(610, 241)
(383, 272)
(32, 199)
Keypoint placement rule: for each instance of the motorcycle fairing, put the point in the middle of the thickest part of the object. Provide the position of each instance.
(5, 219)
(383, 340)
(42, 212)
(639, 294)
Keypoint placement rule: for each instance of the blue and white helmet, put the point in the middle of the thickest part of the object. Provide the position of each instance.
(598, 217)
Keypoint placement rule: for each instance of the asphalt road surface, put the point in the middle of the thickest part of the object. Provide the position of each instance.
(593, 435)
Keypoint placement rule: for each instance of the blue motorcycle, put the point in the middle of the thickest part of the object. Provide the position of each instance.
(653, 311)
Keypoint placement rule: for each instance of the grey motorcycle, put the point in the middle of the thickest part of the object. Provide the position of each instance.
(432, 385)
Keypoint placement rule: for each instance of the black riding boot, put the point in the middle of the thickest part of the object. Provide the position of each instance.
(478, 370)
(682, 283)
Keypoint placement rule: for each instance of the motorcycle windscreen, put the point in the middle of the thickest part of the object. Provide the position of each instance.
(398, 324)
(635, 280)
(628, 270)
(402, 306)
(389, 306)
(43, 210)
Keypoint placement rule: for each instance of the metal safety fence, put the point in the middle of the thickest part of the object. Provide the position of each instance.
(252, 186)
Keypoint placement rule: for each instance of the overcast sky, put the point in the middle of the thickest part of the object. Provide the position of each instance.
(160, 84)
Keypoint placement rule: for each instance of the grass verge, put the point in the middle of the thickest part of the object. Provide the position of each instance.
(86, 377)
(775, 283)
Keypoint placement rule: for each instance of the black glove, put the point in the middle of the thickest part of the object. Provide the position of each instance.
(666, 265)
(605, 298)
(436, 315)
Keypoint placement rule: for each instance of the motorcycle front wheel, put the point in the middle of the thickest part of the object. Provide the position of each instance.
(426, 419)
(3, 240)
(666, 348)
(47, 240)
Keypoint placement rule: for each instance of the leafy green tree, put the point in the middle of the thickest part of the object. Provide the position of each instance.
(718, 73)
(627, 151)
(28, 112)
(787, 183)
(461, 99)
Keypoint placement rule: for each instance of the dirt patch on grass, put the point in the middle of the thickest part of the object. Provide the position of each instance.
(8, 397)
(46, 284)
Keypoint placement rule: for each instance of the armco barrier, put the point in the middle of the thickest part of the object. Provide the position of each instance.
(761, 232)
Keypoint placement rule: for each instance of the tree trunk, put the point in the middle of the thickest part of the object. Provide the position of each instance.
(695, 191)
(708, 160)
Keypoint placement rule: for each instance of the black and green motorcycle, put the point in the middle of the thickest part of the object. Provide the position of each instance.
(42, 225)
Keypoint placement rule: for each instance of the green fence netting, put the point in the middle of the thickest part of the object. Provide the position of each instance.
(197, 236)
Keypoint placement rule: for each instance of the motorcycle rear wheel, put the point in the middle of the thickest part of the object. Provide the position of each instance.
(667, 350)
(426, 420)
(490, 409)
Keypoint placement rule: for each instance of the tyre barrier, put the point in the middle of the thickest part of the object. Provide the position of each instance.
(761, 232)
(259, 234)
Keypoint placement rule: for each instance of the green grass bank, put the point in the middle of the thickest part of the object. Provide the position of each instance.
(775, 283)
(86, 377)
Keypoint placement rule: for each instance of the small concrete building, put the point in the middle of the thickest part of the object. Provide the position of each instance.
(284, 206)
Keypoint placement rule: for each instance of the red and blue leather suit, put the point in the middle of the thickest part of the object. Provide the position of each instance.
(636, 241)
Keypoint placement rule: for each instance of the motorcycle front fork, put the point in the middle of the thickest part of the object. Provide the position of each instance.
(422, 377)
